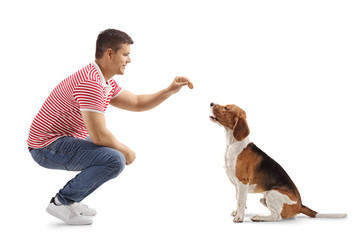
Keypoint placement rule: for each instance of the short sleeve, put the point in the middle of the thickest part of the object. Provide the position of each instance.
(90, 96)
(116, 88)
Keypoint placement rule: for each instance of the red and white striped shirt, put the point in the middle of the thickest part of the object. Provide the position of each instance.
(60, 115)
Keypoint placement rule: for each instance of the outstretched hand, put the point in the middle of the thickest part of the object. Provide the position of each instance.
(178, 83)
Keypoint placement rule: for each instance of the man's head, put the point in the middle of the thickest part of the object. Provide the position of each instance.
(113, 49)
(111, 38)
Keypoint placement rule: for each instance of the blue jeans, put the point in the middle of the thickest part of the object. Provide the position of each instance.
(97, 164)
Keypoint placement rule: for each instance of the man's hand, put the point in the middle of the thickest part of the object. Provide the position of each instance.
(178, 83)
(129, 155)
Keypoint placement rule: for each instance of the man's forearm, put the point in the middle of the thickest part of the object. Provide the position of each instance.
(150, 101)
(107, 139)
(130, 101)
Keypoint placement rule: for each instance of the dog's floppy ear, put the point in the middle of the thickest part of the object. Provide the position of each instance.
(241, 129)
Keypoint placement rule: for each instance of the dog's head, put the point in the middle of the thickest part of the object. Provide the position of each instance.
(232, 117)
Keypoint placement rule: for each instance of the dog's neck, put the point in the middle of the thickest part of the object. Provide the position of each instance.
(230, 139)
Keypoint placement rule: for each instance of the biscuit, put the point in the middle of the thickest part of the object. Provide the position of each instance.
(190, 85)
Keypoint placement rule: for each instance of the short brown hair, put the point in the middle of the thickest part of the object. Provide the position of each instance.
(111, 38)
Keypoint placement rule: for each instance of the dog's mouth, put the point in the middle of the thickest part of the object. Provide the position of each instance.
(213, 119)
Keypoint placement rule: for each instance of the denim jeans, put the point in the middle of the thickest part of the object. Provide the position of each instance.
(97, 164)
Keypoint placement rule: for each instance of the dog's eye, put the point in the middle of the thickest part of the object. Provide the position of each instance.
(226, 108)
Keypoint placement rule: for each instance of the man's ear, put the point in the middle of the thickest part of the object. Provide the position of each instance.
(241, 129)
(109, 53)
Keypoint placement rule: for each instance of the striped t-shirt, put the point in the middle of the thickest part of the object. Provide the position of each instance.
(60, 115)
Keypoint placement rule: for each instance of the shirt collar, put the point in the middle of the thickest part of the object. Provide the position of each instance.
(104, 83)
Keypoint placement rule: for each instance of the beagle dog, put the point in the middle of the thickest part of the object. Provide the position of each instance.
(253, 171)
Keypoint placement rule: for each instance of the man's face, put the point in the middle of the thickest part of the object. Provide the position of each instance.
(120, 59)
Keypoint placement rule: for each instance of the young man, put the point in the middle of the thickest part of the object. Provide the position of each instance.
(69, 131)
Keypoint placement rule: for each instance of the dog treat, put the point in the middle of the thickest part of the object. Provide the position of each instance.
(190, 85)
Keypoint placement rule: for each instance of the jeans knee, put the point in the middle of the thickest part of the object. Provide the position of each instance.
(117, 163)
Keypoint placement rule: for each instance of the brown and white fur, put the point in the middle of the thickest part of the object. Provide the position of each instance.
(252, 171)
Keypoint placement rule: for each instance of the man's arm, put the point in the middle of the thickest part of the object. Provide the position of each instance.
(129, 101)
(100, 135)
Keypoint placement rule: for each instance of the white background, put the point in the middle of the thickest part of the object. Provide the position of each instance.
(292, 65)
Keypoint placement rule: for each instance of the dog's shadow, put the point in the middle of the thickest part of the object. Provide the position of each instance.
(298, 218)
(248, 217)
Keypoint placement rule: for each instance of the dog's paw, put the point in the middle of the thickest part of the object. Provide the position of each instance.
(233, 214)
(238, 219)
(270, 218)
(256, 219)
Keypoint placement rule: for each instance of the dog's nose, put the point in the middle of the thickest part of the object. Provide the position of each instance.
(211, 104)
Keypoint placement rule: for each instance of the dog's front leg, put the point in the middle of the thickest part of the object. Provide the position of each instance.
(242, 191)
(236, 197)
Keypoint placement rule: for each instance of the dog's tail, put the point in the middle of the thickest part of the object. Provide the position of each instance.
(311, 213)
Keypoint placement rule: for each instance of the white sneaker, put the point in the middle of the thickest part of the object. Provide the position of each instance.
(85, 210)
(70, 214)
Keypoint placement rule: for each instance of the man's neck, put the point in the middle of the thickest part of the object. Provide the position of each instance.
(106, 73)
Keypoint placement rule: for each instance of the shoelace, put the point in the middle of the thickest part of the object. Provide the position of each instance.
(81, 206)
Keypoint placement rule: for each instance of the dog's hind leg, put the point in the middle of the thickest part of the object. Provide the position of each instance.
(274, 201)
(263, 201)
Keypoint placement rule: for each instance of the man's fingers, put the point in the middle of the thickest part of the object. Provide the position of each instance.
(184, 81)
(181, 79)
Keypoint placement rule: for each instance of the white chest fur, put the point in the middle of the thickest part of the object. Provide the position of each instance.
(233, 149)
